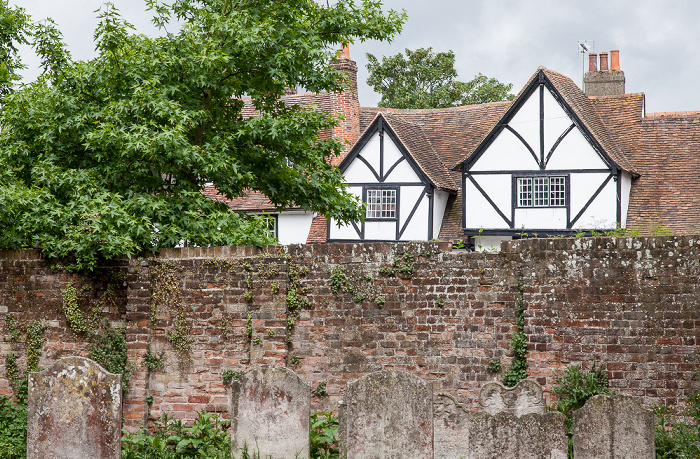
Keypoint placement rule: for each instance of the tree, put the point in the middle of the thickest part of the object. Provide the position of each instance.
(13, 31)
(424, 79)
(108, 157)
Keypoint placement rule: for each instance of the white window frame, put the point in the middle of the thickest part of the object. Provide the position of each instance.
(541, 191)
(382, 203)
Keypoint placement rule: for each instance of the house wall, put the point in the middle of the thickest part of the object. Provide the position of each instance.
(633, 304)
(293, 227)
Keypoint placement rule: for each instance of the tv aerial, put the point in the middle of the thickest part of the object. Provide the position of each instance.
(584, 46)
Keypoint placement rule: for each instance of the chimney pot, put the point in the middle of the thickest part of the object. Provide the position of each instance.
(593, 62)
(346, 51)
(603, 61)
(615, 60)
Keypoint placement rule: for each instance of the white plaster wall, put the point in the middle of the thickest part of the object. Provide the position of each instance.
(583, 186)
(402, 173)
(574, 152)
(625, 197)
(556, 121)
(293, 228)
(380, 230)
(417, 229)
(527, 121)
(538, 218)
(506, 152)
(439, 205)
(489, 243)
(391, 153)
(478, 212)
(357, 171)
(498, 187)
(345, 232)
(602, 213)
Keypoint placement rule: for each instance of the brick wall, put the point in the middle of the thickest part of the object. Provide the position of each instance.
(631, 303)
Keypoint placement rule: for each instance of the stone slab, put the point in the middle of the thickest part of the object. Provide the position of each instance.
(74, 412)
(270, 407)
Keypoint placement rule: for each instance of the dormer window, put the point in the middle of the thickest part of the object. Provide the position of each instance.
(381, 204)
(541, 191)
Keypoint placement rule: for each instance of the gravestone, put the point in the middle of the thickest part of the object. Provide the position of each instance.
(613, 428)
(74, 411)
(270, 407)
(525, 397)
(504, 435)
(451, 428)
(387, 415)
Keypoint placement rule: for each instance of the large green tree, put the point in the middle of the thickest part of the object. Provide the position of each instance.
(108, 157)
(424, 79)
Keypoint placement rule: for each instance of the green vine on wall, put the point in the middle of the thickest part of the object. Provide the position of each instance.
(71, 310)
(165, 296)
(518, 366)
(403, 264)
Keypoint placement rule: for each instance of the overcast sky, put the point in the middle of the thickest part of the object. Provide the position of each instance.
(659, 41)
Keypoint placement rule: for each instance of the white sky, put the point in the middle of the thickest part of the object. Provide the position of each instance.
(659, 41)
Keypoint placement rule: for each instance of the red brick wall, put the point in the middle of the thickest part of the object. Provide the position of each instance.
(631, 303)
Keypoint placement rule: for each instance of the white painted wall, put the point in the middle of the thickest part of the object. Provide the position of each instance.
(417, 229)
(539, 218)
(574, 152)
(293, 228)
(625, 197)
(478, 213)
(602, 213)
(439, 205)
(506, 152)
(489, 243)
(380, 230)
(345, 232)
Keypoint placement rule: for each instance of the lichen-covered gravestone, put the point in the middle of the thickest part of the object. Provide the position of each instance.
(270, 407)
(451, 428)
(387, 415)
(613, 428)
(525, 397)
(75, 411)
(531, 436)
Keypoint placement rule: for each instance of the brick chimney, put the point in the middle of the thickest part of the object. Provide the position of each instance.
(604, 82)
(346, 103)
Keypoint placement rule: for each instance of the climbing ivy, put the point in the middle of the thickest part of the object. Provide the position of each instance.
(35, 341)
(108, 348)
(518, 366)
(71, 310)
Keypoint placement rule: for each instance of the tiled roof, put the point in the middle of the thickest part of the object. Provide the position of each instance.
(252, 201)
(452, 132)
(584, 108)
(667, 193)
(413, 138)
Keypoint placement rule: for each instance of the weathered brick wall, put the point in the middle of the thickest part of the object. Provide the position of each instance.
(631, 303)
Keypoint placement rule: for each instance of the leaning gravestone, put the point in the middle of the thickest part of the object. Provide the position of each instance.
(387, 415)
(613, 428)
(525, 397)
(451, 426)
(270, 408)
(75, 411)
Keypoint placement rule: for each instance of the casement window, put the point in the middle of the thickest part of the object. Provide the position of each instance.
(541, 191)
(381, 204)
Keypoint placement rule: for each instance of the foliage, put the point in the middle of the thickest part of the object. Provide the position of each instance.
(324, 435)
(574, 387)
(402, 264)
(230, 375)
(153, 360)
(13, 424)
(320, 390)
(207, 438)
(35, 341)
(678, 430)
(338, 278)
(13, 32)
(109, 157)
(74, 317)
(494, 366)
(424, 79)
(518, 365)
(108, 348)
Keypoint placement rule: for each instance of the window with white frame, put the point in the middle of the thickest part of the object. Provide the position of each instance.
(381, 204)
(541, 191)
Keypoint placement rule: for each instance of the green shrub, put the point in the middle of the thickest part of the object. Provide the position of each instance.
(13, 423)
(574, 387)
(324, 435)
(678, 430)
(207, 438)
